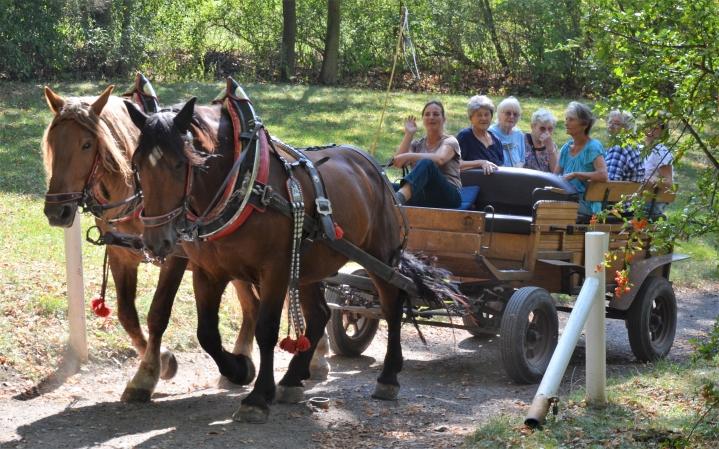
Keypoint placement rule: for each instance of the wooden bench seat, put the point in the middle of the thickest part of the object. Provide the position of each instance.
(612, 191)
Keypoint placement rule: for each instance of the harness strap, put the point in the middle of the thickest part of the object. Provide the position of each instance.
(322, 203)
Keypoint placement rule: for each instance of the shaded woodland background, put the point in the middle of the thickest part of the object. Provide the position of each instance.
(525, 46)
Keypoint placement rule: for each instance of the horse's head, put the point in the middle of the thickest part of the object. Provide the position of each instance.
(83, 140)
(164, 161)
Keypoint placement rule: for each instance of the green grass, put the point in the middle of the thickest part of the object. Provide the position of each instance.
(656, 408)
(32, 271)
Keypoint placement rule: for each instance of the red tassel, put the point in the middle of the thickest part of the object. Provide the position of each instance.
(303, 344)
(289, 345)
(99, 307)
(339, 232)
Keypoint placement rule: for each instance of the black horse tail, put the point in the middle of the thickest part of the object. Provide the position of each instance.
(433, 285)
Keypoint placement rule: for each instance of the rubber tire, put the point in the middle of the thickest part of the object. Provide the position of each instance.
(656, 295)
(346, 345)
(514, 329)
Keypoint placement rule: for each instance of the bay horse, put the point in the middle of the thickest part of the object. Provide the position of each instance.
(86, 150)
(182, 159)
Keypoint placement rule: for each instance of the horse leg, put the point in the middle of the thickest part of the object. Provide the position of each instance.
(316, 315)
(255, 407)
(319, 366)
(157, 362)
(208, 294)
(124, 273)
(390, 298)
(250, 304)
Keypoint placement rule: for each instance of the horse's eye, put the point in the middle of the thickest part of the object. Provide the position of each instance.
(86, 146)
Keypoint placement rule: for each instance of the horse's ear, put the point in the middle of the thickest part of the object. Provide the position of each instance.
(54, 101)
(183, 119)
(138, 117)
(102, 100)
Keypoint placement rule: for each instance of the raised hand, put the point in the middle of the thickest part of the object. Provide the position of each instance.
(410, 125)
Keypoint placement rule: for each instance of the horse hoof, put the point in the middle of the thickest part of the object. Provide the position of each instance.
(168, 364)
(135, 395)
(320, 371)
(290, 395)
(251, 414)
(386, 392)
(224, 383)
(243, 371)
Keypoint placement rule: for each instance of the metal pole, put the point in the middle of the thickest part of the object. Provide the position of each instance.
(596, 246)
(75, 290)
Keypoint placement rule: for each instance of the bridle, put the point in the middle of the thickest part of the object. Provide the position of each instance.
(87, 201)
(183, 209)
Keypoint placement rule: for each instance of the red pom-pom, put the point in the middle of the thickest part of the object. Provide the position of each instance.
(303, 344)
(289, 345)
(339, 232)
(99, 307)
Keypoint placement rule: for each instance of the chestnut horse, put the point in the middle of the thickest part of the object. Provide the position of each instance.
(182, 159)
(87, 149)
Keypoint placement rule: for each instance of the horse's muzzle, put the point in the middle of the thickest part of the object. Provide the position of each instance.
(61, 215)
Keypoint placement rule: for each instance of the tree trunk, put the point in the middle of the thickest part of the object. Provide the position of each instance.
(489, 22)
(330, 62)
(123, 64)
(289, 33)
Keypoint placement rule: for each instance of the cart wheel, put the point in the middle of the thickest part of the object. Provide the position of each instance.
(528, 334)
(652, 320)
(351, 333)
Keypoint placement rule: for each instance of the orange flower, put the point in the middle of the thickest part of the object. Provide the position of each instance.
(639, 224)
(593, 220)
(599, 267)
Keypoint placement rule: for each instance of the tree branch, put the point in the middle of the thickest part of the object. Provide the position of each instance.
(701, 143)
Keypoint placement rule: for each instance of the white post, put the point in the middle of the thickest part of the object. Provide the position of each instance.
(596, 246)
(75, 290)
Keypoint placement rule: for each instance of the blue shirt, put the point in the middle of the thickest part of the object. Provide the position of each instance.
(581, 162)
(474, 150)
(624, 164)
(512, 146)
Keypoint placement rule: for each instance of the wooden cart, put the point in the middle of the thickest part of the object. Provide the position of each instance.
(519, 246)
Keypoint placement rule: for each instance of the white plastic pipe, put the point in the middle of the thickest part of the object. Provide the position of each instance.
(75, 290)
(592, 289)
(596, 245)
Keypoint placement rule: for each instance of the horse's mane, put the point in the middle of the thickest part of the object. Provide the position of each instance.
(162, 129)
(115, 132)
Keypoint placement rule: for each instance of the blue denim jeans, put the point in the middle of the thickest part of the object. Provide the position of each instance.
(430, 188)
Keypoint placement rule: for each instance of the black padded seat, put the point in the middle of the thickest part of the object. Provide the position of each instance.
(511, 190)
(511, 224)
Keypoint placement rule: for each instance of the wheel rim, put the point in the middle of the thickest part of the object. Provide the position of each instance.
(660, 316)
(354, 325)
(537, 340)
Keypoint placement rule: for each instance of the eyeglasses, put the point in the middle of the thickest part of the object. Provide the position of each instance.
(512, 113)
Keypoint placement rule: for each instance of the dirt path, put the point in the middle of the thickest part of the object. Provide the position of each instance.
(448, 389)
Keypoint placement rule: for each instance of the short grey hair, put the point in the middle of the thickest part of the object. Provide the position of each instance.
(626, 118)
(509, 103)
(582, 112)
(478, 102)
(542, 115)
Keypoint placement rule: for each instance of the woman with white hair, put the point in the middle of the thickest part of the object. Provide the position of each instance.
(480, 148)
(540, 149)
(624, 163)
(582, 158)
(512, 139)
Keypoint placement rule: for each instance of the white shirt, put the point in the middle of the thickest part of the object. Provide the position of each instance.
(658, 157)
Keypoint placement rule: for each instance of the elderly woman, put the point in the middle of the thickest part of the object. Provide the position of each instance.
(434, 180)
(512, 139)
(624, 163)
(480, 148)
(582, 158)
(658, 163)
(540, 149)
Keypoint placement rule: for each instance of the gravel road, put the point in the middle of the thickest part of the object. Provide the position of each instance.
(448, 388)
